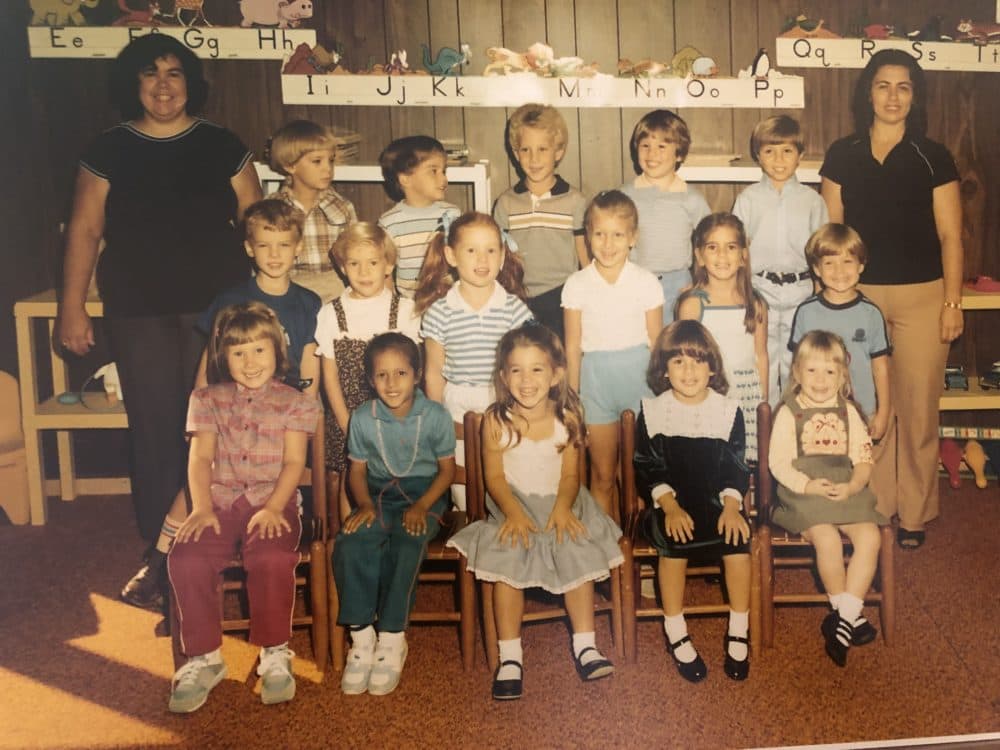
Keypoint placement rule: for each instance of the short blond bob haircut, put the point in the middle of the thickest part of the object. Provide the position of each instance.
(363, 233)
(297, 138)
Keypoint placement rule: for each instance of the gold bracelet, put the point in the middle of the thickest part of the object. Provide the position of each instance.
(953, 305)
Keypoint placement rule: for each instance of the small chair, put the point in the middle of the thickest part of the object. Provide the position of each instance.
(443, 564)
(780, 549)
(476, 503)
(310, 573)
(639, 551)
(13, 459)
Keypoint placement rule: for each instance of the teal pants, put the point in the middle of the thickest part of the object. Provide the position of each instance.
(376, 568)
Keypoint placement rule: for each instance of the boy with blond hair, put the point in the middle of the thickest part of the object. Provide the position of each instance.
(542, 213)
(305, 152)
(779, 214)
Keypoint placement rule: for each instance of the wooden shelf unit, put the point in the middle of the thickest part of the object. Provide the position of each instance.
(974, 399)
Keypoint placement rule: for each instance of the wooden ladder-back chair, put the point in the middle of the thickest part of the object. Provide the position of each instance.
(476, 501)
(640, 551)
(442, 565)
(780, 549)
(311, 573)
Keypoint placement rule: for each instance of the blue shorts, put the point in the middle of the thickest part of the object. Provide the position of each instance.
(673, 283)
(611, 382)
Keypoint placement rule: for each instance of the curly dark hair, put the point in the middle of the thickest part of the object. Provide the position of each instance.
(141, 54)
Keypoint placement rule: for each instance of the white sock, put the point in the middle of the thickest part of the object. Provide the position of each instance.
(739, 625)
(213, 657)
(265, 650)
(364, 638)
(391, 640)
(835, 601)
(582, 641)
(510, 651)
(850, 607)
(676, 628)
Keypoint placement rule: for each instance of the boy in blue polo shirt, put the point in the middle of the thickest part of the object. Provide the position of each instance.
(779, 214)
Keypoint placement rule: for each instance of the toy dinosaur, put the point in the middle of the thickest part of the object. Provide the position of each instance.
(979, 32)
(448, 62)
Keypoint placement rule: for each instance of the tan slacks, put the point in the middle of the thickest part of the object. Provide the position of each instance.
(905, 475)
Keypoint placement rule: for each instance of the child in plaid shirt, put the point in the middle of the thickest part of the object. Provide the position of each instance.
(304, 152)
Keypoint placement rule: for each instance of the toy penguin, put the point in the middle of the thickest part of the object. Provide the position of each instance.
(761, 64)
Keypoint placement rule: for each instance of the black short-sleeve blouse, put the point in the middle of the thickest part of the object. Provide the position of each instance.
(169, 218)
(891, 204)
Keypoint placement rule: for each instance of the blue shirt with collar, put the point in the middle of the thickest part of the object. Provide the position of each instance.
(411, 446)
(779, 224)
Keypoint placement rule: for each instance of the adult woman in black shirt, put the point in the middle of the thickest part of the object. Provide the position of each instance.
(900, 191)
(164, 188)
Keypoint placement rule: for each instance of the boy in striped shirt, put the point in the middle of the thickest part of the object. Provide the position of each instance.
(414, 172)
(542, 212)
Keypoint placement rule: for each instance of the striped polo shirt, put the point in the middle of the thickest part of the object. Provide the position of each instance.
(545, 228)
(470, 337)
(412, 229)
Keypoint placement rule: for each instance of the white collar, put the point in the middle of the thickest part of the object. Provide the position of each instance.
(455, 299)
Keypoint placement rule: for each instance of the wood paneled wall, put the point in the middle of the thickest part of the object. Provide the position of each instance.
(57, 106)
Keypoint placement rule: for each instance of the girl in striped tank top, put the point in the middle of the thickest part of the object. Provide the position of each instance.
(470, 293)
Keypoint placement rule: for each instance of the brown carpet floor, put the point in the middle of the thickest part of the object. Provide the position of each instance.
(79, 669)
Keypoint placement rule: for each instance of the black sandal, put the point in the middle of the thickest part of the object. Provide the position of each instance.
(910, 540)
(736, 669)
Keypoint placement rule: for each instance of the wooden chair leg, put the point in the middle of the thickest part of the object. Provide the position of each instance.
(755, 598)
(467, 608)
(887, 575)
(766, 587)
(617, 615)
(489, 626)
(626, 575)
(319, 598)
(338, 636)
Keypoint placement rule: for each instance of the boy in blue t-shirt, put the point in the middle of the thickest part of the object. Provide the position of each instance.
(837, 257)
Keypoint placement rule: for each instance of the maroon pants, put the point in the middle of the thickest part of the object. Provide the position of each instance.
(195, 578)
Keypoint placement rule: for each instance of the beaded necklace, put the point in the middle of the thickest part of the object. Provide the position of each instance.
(385, 458)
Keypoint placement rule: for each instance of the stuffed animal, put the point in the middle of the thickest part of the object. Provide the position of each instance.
(148, 17)
(975, 459)
(951, 459)
(280, 13)
(60, 12)
(980, 32)
(448, 62)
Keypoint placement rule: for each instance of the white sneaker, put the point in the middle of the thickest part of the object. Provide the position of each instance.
(358, 669)
(275, 670)
(388, 667)
(193, 682)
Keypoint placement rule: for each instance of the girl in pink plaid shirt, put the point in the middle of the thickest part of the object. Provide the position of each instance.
(249, 434)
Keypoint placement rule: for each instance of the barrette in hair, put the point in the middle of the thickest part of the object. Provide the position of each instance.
(445, 223)
(508, 240)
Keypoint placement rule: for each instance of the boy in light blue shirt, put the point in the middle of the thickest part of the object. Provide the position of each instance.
(780, 214)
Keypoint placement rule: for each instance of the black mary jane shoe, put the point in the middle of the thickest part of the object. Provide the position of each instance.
(594, 669)
(863, 634)
(508, 690)
(836, 650)
(910, 540)
(692, 671)
(736, 669)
